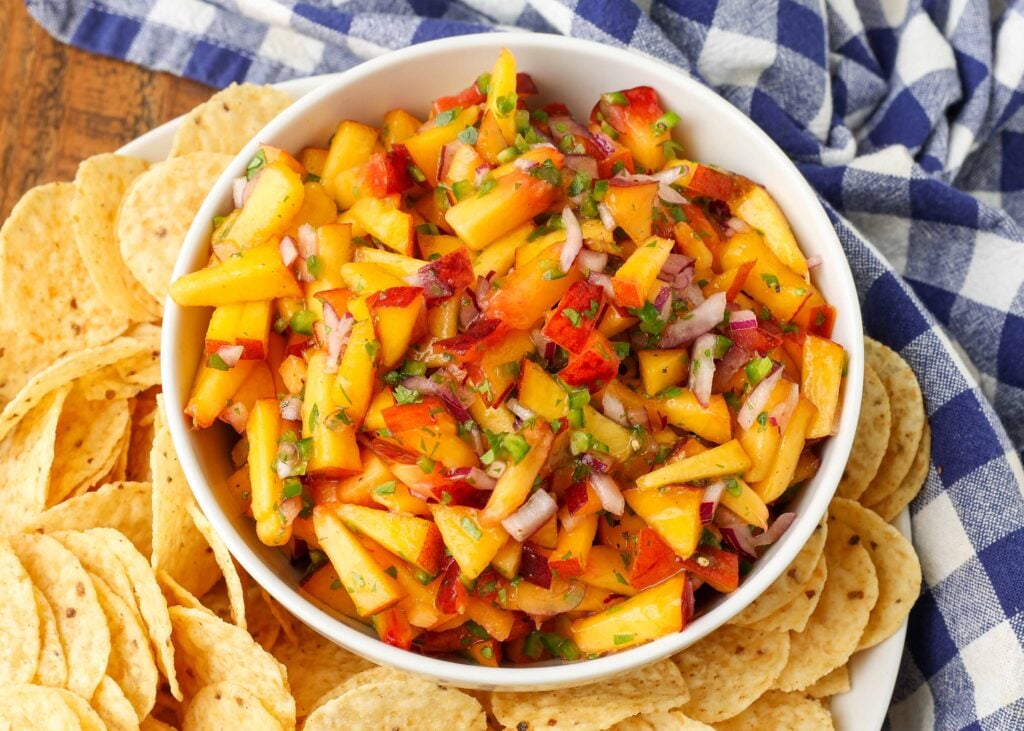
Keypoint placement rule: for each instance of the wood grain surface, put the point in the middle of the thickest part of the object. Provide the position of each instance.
(60, 105)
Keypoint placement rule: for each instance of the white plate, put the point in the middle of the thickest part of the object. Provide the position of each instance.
(873, 672)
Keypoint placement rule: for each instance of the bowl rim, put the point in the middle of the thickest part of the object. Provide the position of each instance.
(561, 674)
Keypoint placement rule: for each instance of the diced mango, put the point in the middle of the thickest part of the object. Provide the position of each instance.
(472, 542)
(254, 274)
(727, 459)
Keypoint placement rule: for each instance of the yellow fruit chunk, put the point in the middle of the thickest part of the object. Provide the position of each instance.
(253, 274)
(673, 511)
(821, 378)
(472, 543)
(727, 459)
(651, 614)
(277, 195)
(635, 280)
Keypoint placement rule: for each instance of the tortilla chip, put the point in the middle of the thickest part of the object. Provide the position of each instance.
(729, 669)
(20, 624)
(132, 665)
(100, 184)
(229, 119)
(896, 566)
(793, 617)
(113, 708)
(156, 214)
(410, 704)
(903, 495)
(788, 585)
(63, 371)
(141, 444)
(651, 689)
(280, 614)
(53, 666)
(236, 595)
(315, 666)
(152, 723)
(178, 546)
(176, 594)
(671, 721)
(834, 630)
(226, 705)
(908, 419)
(92, 552)
(871, 440)
(88, 436)
(214, 651)
(22, 707)
(775, 710)
(376, 674)
(123, 506)
(119, 471)
(50, 306)
(26, 456)
(836, 682)
(69, 591)
(262, 621)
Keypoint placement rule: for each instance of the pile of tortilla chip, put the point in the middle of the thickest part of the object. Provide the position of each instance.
(120, 607)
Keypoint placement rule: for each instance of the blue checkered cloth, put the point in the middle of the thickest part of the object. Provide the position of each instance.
(907, 118)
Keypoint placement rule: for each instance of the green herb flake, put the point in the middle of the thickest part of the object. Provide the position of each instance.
(471, 529)
(216, 362)
(255, 165)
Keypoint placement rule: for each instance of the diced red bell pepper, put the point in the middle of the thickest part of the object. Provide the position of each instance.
(597, 363)
(576, 316)
(653, 560)
(720, 569)
(468, 346)
(452, 595)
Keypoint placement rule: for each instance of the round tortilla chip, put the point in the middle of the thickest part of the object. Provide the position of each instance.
(131, 665)
(20, 626)
(834, 630)
(49, 301)
(896, 566)
(410, 704)
(156, 214)
(123, 506)
(651, 689)
(100, 184)
(871, 440)
(373, 674)
(836, 682)
(69, 591)
(903, 495)
(88, 436)
(215, 651)
(229, 119)
(38, 708)
(113, 708)
(227, 706)
(788, 585)
(793, 616)
(775, 710)
(53, 667)
(232, 581)
(908, 419)
(671, 721)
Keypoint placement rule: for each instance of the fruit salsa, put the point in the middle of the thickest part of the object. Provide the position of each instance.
(513, 385)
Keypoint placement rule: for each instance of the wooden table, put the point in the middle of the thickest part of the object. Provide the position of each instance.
(61, 105)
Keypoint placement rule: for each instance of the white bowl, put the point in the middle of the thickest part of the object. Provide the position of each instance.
(576, 72)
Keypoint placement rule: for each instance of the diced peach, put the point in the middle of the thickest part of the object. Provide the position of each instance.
(821, 381)
(335, 451)
(673, 511)
(351, 146)
(515, 483)
(428, 429)
(324, 585)
(277, 195)
(595, 364)
(637, 124)
(471, 541)
(756, 206)
(263, 431)
(632, 206)
(661, 369)
(607, 569)
(357, 372)
(575, 317)
(569, 556)
(514, 200)
(746, 503)
(399, 318)
(788, 454)
(381, 218)
(414, 539)
(426, 145)
(213, 389)
(254, 274)
(501, 95)
(525, 295)
(727, 459)
(770, 281)
(712, 422)
(634, 281)
(651, 614)
(498, 369)
(398, 126)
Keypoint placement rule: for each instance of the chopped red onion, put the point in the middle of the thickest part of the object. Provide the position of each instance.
(735, 359)
(518, 409)
(671, 175)
(614, 409)
(290, 509)
(664, 303)
(445, 160)
(524, 163)
(467, 312)
(457, 373)
(480, 295)
(474, 477)
(742, 320)
(289, 251)
(737, 225)
(238, 192)
(307, 241)
(709, 502)
(757, 399)
(638, 415)
(291, 408)
(337, 330)
(538, 145)
(604, 142)
(429, 387)
(674, 264)
(682, 281)
(573, 240)
(703, 318)
(694, 295)
(302, 272)
(496, 468)
(531, 516)
(582, 164)
(779, 416)
(702, 368)
(775, 531)
(670, 195)
(592, 261)
(230, 354)
(595, 462)
(606, 216)
(287, 459)
(602, 280)
(226, 249)
(609, 493)
(481, 173)
(237, 415)
(736, 532)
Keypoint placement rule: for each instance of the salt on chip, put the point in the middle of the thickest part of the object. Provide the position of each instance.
(227, 705)
(100, 184)
(236, 595)
(157, 212)
(896, 565)
(836, 682)
(69, 591)
(871, 440)
(908, 420)
(670, 721)
(42, 709)
(777, 710)
(27, 457)
(131, 665)
(903, 495)
(62, 371)
(214, 651)
(729, 669)
(123, 506)
(315, 666)
(793, 616)
(229, 119)
(51, 308)
(833, 631)
(113, 708)
(410, 704)
(88, 436)
(651, 689)
(788, 585)
(19, 620)
(53, 666)
(179, 548)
